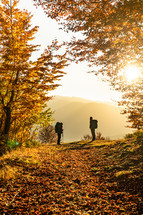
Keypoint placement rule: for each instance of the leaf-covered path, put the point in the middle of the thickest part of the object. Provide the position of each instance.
(73, 178)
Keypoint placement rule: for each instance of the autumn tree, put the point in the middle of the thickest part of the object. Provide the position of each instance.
(112, 38)
(29, 128)
(24, 83)
(132, 98)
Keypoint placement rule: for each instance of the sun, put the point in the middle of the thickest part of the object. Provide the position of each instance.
(132, 73)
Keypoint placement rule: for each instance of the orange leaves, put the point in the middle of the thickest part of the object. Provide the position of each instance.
(25, 83)
(59, 184)
(113, 28)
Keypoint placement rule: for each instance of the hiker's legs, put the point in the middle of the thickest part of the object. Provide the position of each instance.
(93, 134)
(59, 138)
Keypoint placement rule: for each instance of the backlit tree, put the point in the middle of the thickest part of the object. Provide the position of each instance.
(112, 38)
(24, 83)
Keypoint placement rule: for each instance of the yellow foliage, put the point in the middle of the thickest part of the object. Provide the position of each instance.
(24, 84)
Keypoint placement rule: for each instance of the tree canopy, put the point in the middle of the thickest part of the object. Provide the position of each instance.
(24, 83)
(113, 38)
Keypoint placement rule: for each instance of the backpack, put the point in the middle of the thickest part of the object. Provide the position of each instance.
(94, 123)
(59, 127)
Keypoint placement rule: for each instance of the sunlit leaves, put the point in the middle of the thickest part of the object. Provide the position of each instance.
(24, 83)
(112, 37)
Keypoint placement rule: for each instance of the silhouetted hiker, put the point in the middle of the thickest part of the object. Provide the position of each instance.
(59, 131)
(93, 126)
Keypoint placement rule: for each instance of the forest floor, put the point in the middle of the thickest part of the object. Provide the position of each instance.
(100, 177)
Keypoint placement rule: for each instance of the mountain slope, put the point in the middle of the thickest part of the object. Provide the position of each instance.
(75, 114)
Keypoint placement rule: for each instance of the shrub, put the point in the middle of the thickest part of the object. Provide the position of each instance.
(31, 143)
(99, 136)
(12, 144)
(137, 134)
(47, 134)
(89, 137)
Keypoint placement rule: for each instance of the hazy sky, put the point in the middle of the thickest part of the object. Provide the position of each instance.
(77, 82)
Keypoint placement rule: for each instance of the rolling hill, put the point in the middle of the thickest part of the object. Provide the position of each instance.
(75, 114)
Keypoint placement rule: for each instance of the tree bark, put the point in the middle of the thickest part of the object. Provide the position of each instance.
(5, 133)
(7, 121)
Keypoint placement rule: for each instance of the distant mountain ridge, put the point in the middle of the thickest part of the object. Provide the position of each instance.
(75, 114)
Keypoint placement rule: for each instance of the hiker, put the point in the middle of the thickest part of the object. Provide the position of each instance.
(93, 126)
(59, 131)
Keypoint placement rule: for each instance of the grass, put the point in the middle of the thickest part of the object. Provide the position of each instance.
(122, 173)
(8, 172)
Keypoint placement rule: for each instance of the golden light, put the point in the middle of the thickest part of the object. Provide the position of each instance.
(132, 73)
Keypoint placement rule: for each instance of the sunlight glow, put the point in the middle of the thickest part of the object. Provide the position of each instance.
(132, 73)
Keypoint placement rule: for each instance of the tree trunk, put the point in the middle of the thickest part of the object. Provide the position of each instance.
(5, 133)
(7, 121)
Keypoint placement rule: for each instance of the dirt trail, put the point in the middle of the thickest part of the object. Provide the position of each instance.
(73, 179)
